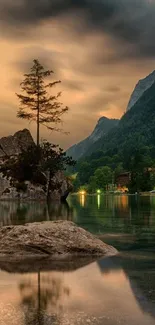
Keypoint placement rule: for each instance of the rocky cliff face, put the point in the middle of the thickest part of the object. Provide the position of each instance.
(140, 88)
(103, 126)
(12, 145)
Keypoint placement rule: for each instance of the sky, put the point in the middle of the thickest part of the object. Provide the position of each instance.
(99, 49)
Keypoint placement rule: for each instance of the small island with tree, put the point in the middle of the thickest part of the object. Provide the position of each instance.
(36, 172)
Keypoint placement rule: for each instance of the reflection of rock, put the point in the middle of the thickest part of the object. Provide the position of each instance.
(30, 265)
(58, 239)
(94, 298)
(17, 212)
(60, 211)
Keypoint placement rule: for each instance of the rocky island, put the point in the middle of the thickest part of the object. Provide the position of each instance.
(10, 149)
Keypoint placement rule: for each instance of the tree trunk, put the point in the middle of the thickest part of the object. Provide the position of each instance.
(48, 185)
(38, 127)
(38, 124)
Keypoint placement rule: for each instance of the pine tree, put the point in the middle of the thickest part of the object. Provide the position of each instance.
(37, 105)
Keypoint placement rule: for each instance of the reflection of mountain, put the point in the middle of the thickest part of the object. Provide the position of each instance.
(100, 293)
(140, 270)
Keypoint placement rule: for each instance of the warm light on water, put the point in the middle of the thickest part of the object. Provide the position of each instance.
(98, 200)
(100, 293)
(82, 199)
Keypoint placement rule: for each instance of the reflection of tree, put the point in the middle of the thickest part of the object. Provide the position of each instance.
(60, 210)
(36, 300)
(24, 212)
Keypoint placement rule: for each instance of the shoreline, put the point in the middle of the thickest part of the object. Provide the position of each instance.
(115, 194)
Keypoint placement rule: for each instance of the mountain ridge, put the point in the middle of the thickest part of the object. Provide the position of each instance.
(136, 127)
(103, 126)
(141, 86)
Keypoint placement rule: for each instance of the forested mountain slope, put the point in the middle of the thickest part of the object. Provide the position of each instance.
(103, 126)
(135, 129)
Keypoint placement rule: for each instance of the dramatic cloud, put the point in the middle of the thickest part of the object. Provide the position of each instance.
(130, 21)
(98, 48)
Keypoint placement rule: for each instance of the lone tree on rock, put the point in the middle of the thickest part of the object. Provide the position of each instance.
(37, 105)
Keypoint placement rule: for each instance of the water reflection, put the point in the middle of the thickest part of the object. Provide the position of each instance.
(98, 200)
(36, 300)
(100, 293)
(127, 222)
(82, 199)
(23, 212)
(119, 290)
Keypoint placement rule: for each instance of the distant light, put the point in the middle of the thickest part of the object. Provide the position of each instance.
(98, 191)
(82, 192)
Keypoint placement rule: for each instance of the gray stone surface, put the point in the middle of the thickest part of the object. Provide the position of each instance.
(58, 239)
(12, 145)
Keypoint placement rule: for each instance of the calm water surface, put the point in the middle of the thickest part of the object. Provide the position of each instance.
(111, 291)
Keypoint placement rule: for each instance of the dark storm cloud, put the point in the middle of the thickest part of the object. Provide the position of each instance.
(129, 21)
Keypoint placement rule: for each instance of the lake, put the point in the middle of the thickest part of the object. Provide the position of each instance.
(110, 291)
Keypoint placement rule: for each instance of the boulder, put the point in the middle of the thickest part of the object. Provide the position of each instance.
(12, 145)
(59, 240)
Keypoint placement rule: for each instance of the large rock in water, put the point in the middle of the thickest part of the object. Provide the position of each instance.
(55, 241)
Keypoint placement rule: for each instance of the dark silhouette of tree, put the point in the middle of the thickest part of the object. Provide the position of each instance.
(36, 104)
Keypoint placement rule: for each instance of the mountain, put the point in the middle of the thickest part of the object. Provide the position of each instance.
(140, 88)
(103, 126)
(135, 129)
